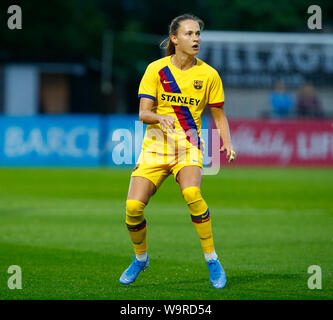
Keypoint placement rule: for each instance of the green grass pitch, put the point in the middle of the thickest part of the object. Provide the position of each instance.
(65, 229)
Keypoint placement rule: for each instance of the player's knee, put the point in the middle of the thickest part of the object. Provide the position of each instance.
(194, 200)
(134, 212)
(192, 194)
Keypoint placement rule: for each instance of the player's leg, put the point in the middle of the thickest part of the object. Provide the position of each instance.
(189, 180)
(140, 191)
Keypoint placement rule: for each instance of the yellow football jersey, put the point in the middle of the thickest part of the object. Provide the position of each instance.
(182, 95)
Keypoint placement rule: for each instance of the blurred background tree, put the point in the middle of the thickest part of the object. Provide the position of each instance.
(73, 29)
(53, 29)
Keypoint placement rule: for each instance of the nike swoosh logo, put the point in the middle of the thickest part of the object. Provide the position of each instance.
(167, 81)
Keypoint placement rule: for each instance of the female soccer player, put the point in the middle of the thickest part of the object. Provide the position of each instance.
(173, 93)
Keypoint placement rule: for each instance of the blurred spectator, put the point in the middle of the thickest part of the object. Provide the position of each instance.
(281, 101)
(308, 104)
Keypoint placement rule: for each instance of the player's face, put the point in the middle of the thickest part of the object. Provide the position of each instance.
(188, 38)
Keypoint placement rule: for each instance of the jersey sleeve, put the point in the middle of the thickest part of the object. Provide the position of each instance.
(148, 84)
(216, 93)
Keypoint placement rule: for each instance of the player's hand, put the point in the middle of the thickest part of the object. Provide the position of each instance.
(167, 123)
(231, 154)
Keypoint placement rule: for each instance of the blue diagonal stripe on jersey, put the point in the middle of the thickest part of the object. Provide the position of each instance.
(191, 123)
(173, 84)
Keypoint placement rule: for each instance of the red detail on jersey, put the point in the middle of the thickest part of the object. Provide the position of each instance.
(181, 118)
(165, 81)
(220, 104)
(190, 131)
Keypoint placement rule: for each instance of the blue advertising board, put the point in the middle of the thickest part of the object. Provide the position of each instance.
(71, 140)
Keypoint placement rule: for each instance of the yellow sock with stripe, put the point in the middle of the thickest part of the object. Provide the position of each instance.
(200, 217)
(136, 225)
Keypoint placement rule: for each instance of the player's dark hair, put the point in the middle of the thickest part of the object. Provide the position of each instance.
(173, 29)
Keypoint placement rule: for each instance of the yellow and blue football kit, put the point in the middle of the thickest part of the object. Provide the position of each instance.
(182, 95)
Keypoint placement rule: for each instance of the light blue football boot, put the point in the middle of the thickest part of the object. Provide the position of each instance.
(217, 276)
(132, 272)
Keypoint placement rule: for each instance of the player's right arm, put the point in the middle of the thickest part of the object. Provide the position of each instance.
(146, 115)
(148, 91)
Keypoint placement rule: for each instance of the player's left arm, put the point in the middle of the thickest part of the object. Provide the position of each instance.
(222, 125)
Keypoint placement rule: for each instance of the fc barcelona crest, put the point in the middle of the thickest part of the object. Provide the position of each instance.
(197, 84)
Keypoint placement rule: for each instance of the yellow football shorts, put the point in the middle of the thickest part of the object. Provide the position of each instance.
(156, 166)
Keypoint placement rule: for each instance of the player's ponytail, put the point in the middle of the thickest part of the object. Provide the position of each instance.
(173, 29)
(170, 49)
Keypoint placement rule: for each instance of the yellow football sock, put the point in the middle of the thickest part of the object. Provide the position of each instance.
(136, 225)
(200, 217)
